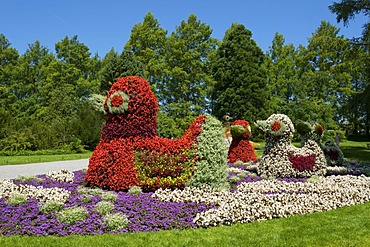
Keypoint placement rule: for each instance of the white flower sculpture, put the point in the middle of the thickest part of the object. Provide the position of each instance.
(281, 158)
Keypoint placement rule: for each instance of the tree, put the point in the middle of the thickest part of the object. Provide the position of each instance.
(240, 76)
(348, 9)
(185, 91)
(115, 66)
(324, 76)
(146, 44)
(282, 76)
(345, 11)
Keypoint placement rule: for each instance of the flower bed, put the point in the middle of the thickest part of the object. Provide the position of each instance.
(58, 206)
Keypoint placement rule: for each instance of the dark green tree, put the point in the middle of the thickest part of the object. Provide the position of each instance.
(241, 77)
(115, 66)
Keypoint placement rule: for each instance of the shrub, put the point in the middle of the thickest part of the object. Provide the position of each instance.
(49, 206)
(104, 207)
(72, 215)
(116, 221)
(16, 199)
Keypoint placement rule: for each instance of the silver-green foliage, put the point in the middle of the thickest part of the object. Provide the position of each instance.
(109, 196)
(116, 221)
(49, 206)
(16, 199)
(104, 207)
(211, 168)
(135, 190)
(72, 215)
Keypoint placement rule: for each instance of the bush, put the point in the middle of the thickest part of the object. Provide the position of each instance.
(49, 206)
(116, 221)
(104, 207)
(16, 199)
(72, 215)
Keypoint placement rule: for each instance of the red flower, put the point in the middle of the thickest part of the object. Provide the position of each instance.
(302, 163)
(275, 126)
(117, 100)
(319, 129)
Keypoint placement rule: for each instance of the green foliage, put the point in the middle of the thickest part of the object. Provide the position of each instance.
(115, 66)
(109, 196)
(16, 199)
(104, 207)
(135, 190)
(116, 221)
(240, 74)
(72, 215)
(211, 168)
(50, 206)
(237, 130)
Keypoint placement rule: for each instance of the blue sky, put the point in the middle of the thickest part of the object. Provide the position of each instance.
(104, 24)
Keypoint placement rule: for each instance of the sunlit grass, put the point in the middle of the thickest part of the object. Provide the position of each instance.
(13, 160)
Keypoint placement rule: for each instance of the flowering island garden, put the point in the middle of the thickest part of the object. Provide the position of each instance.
(139, 182)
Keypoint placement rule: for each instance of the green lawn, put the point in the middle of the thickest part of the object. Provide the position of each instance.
(13, 160)
(349, 226)
(356, 150)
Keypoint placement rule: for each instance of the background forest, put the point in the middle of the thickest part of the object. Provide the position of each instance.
(45, 95)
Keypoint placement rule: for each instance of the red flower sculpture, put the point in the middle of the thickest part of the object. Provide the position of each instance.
(130, 153)
(240, 147)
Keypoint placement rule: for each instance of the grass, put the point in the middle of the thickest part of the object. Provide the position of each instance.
(349, 226)
(13, 160)
(356, 150)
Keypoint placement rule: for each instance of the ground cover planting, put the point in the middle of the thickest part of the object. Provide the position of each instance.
(59, 204)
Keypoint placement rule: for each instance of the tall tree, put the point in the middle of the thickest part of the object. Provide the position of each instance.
(146, 43)
(345, 11)
(185, 88)
(324, 75)
(115, 66)
(240, 76)
(282, 75)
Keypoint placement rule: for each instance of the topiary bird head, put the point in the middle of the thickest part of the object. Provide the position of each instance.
(131, 109)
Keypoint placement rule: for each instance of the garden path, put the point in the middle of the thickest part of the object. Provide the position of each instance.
(13, 171)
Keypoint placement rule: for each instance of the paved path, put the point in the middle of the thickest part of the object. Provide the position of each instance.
(12, 171)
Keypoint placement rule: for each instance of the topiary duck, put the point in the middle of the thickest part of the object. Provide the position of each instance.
(240, 148)
(314, 131)
(281, 158)
(131, 154)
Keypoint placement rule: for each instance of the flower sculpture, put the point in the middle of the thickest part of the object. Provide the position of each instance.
(240, 147)
(314, 131)
(131, 154)
(281, 158)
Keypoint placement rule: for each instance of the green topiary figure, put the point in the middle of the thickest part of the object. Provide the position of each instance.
(314, 131)
(211, 168)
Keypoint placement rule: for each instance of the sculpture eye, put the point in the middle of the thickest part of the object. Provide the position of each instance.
(277, 128)
(117, 103)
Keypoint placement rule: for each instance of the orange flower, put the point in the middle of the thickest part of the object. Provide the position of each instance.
(275, 126)
(117, 100)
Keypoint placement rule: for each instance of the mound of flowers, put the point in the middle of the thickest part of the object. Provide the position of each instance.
(47, 205)
(281, 158)
(240, 148)
(130, 154)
